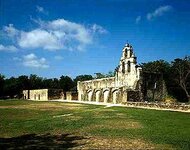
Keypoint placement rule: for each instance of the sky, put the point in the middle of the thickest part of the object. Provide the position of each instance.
(74, 37)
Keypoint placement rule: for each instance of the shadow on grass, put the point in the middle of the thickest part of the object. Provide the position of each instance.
(46, 141)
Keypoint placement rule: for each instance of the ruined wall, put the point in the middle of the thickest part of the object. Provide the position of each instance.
(93, 85)
(71, 95)
(134, 96)
(55, 94)
(154, 87)
(41, 94)
(26, 94)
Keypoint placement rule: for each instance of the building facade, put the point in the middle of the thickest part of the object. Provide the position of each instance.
(43, 94)
(115, 89)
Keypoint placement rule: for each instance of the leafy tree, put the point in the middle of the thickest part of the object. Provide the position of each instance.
(55, 84)
(82, 78)
(35, 82)
(181, 74)
(66, 83)
(158, 66)
(22, 84)
(110, 74)
(11, 87)
(99, 75)
(2, 82)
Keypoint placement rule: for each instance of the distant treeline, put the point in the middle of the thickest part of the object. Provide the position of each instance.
(13, 87)
(176, 75)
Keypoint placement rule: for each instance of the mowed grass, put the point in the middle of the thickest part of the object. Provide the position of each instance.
(100, 126)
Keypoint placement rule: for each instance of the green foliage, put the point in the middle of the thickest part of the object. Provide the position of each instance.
(2, 82)
(109, 74)
(99, 75)
(66, 83)
(159, 66)
(176, 75)
(82, 78)
(181, 74)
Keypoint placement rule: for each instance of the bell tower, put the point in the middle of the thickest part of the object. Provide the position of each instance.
(127, 72)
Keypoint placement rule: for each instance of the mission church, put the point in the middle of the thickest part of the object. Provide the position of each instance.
(130, 83)
(114, 89)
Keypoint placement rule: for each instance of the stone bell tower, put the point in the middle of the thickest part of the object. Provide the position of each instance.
(127, 72)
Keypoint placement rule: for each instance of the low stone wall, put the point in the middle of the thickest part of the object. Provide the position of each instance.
(134, 96)
(159, 105)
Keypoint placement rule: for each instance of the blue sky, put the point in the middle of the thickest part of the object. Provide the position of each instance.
(74, 37)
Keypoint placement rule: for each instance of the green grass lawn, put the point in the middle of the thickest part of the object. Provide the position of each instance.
(29, 124)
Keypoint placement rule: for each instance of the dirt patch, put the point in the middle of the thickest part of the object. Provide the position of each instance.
(129, 124)
(46, 106)
(119, 143)
(109, 124)
(99, 142)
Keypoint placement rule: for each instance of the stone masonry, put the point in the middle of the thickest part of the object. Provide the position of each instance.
(114, 89)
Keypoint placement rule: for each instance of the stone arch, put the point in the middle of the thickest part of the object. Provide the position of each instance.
(106, 93)
(97, 95)
(89, 95)
(115, 96)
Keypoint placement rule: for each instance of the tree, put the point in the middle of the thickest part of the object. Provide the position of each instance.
(35, 82)
(99, 75)
(66, 83)
(11, 87)
(22, 84)
(110, 74)
(82, 78)
(181, 74)
(158, 66)
(2, 83)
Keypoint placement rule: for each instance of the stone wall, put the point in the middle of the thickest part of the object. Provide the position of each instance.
(40, 94)
(159, 105)
(71, 95)
(55, 94)
(110, 95)
(26, 94)
(134, 96)
(113, 89)
(43, 94)
(154, 87)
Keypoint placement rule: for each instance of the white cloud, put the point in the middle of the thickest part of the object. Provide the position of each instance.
(159, 12)
(9, 48)
(138, 19)
(39, 39)
(31, 60)
(11, 31)
(67, 30)
(98, 29)
(17, 59)
(58, 57)
(55, 35)
(41, 10)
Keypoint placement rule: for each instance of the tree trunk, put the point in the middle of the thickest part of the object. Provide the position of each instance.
(186, 92)
(188, 98)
